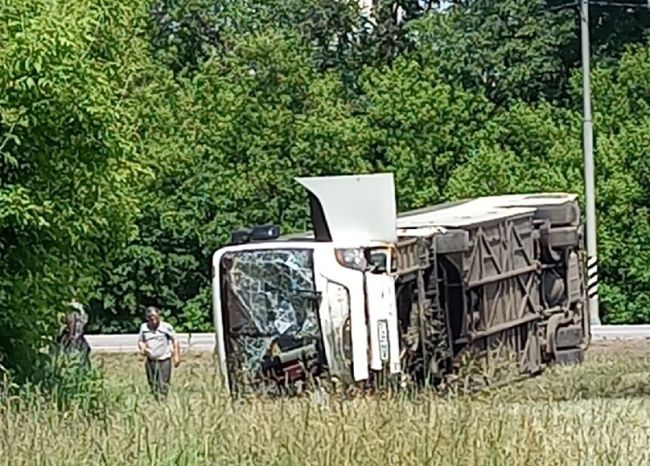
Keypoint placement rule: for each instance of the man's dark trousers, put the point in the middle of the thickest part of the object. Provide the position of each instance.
(159, 375)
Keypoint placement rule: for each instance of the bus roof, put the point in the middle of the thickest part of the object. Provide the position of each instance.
(464, 213)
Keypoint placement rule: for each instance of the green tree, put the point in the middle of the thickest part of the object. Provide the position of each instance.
(68, 157)
(185, 33)
(511, 49)
(622, 122)
(421, 127)
(226, 148)
(522, 49)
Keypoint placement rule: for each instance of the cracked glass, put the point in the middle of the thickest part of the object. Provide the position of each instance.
(269, 297)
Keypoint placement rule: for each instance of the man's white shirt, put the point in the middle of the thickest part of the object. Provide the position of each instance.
(158, 341)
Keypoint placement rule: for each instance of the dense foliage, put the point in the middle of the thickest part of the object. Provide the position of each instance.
(70, 74)
(135, 136)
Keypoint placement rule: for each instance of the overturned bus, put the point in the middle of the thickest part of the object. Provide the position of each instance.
(370, 292)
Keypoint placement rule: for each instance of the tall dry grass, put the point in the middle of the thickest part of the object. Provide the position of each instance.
(598, 413)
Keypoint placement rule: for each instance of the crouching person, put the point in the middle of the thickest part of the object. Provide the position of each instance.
(71, 342)
(157, 341)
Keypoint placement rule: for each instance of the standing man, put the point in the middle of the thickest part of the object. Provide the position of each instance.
(157, 341)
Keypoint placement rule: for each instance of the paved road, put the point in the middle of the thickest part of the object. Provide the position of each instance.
(126, 343)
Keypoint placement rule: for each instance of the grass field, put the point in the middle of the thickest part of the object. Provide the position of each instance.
(598, 413)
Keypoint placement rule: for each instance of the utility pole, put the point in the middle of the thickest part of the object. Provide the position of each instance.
(588, 155)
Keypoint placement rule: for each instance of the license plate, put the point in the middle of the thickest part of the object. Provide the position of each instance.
(382, 333)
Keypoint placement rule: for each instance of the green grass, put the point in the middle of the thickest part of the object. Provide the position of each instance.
(598, 413)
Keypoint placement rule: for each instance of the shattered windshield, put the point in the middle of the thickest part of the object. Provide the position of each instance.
(268, 297)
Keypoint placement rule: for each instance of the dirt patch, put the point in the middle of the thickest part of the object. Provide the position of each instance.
(619, 346)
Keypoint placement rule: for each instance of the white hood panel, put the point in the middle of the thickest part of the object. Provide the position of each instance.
(357, 209)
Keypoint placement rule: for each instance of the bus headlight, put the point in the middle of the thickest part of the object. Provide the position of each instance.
(352, 258)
